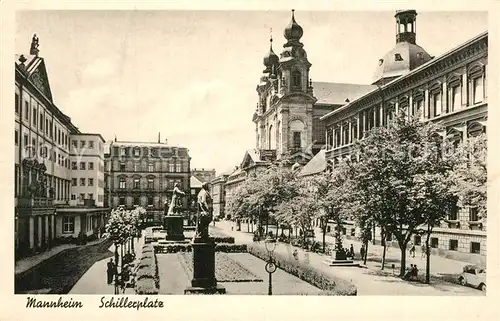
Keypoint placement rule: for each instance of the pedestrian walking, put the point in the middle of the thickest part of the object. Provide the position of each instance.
(362, 251)
(412, 250)
(296, 254)
(351, 251)
(423, 251)
(111, 270)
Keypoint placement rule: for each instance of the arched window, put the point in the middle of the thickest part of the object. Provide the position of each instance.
(296, 79)
(272, 138)
(297, 128)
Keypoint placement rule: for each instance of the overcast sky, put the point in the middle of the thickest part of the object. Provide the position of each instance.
(191, 75)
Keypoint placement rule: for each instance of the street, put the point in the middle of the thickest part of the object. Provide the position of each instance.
(368, 280)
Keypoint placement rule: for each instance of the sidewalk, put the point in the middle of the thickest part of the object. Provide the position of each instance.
(366, 280)
(94, 281)
(27, 263)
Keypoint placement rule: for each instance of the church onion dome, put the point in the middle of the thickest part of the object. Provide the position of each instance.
(270, 58)
(293, 32)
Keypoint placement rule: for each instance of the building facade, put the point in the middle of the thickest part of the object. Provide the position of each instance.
(42, 174)
(144, 174)
(450, 89)
(218, 192)
(204, 175)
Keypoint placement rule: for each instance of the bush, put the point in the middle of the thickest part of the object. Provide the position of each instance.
(221, 247)
(314, 276)
(147, 279)
(224, 239)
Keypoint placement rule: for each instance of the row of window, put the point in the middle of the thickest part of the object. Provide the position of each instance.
(60, 187)
(42, 122)
(42, 151)
(90, 181)
(83, 144)
(136, 184)
(144, 151)
(136, 200)
(90, 196)
(83, 166)
(475, 247)
(473, 214)
(173, 168)
(380, 115)
(68, 224)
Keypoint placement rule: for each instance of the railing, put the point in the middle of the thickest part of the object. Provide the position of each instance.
(35, 202)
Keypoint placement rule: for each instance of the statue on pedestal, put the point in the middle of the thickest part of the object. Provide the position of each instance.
(174, 206)
(204, 216)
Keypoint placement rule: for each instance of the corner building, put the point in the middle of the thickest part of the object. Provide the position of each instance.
(144, 174)
(42, 169)
(451, 89)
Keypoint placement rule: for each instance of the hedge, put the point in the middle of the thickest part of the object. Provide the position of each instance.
(331, 284)
(147, 278)
(221, 247)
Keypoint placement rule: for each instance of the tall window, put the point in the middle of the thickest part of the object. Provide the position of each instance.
(151, 167)
(473, 215)
(456, 98)
(296, 79)
(136, 183)
(17, 103)
(136, 167)
(16, 137)
(83, 143)
(91, 165)
(297, 140)
(26, 110)
(475, 247)
(34, 116)
(122, 200)
(91, 182)
(68, 224)
(436, 103)
(477, 90)
(82, 181)
(150, 200)
(82, 165)
(122, 167)
(82, 196)
(178, 168)
(136, 200)
(91, 196)
(122, 151)
(73, 182)
(91, 144)
(150, 183)
(122, 183)
(171, 167)
(137, 152)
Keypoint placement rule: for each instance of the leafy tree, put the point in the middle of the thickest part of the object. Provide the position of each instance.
(395, 163)
(470, 175)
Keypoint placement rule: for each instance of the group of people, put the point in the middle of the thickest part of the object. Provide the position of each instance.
(411, 272)
(124, 279)
(413, 249)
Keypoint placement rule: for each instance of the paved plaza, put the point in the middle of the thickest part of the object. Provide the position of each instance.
(368, 280)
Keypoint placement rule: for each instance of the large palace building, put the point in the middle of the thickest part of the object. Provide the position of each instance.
(58, 175)
(451, 89)
(144, 174)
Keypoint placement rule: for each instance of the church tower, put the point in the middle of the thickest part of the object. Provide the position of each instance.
(283, 117)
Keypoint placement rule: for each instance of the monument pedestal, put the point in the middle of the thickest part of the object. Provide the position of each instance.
(174, 225)
(204, 281)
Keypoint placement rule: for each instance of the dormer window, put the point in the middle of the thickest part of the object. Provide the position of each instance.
(398, 57)
(420, 55)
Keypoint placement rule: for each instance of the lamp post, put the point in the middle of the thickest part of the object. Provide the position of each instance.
(270, 265)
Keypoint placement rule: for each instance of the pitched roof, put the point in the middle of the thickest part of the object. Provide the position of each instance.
(337, 93)
(194, 182)
(316, 165)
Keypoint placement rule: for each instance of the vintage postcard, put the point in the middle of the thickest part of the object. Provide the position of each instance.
(164, 153)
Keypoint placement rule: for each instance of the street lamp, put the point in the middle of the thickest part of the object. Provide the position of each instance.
(270, 243)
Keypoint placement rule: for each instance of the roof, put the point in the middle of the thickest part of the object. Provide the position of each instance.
(337, 93)
(316, 165)
(194, 182)
(139, 144)
(411, 73)
(411, 56)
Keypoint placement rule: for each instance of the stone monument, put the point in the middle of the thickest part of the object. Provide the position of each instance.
(174, 221)
(204, 281)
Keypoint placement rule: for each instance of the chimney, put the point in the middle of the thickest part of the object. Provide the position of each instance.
(159, 138)
(166, 141)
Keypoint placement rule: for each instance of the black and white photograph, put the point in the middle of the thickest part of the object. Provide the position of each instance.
(296, 152)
